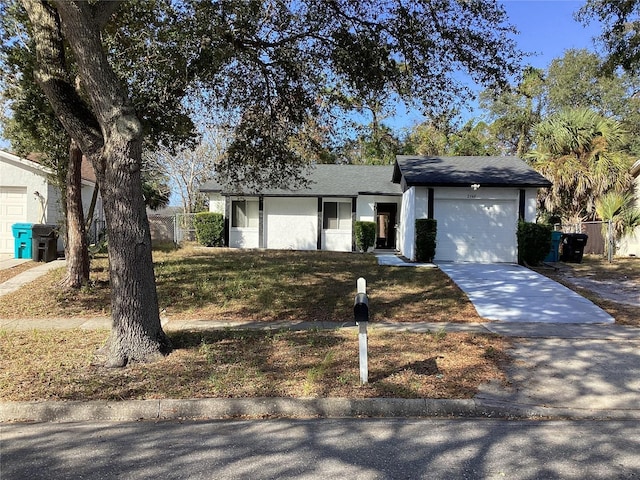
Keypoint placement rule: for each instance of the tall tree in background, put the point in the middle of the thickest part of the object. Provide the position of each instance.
(583, 155)
(269, 64)
(515, 110)
(189, 168)
(621, 31)
(578, 79)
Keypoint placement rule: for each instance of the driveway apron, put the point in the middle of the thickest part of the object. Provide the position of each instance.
(512, 293)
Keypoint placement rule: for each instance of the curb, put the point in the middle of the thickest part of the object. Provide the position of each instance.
(259, 408)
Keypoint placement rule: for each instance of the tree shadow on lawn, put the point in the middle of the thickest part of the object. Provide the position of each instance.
(309, 286)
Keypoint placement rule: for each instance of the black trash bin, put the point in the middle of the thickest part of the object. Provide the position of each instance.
(573, 247)
(44, 247)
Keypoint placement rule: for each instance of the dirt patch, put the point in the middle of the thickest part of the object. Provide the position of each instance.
(614, 287)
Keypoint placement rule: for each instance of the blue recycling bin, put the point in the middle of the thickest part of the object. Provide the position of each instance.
(22, 236)
(554, 253)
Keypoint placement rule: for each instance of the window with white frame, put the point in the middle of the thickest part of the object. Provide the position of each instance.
(244, 213)
(336, 216)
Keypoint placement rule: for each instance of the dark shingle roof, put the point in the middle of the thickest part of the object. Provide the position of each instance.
(330, 181)
(464, 171)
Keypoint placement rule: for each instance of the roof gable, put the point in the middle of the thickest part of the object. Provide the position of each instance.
(34, 163)
(464, 171)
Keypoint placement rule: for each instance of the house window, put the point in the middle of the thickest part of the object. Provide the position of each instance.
(336, 216)
(244, 214)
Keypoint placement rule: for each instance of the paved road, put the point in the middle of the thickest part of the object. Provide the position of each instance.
(312, 449)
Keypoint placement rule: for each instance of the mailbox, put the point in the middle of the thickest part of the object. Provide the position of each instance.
(361, 308)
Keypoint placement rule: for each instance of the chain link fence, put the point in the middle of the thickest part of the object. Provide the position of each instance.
(172, 228)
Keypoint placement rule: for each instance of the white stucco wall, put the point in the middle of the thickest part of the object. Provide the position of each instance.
(291, 223)
(406, 225)
(216, 203)
(630, 244)
(365, 206)
(17, 172)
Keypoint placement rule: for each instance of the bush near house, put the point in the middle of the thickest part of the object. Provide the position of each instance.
(534, 242)
(365, 235)
(426, 230)
(209, 228)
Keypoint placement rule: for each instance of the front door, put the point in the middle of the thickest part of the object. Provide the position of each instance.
(386, 225)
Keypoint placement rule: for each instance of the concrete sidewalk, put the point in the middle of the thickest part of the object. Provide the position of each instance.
(28, 276)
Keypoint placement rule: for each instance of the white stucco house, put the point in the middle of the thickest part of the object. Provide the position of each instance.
(630, 245)
(27, 195)
(477, 202)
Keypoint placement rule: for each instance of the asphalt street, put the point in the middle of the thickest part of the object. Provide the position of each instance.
(356, 449)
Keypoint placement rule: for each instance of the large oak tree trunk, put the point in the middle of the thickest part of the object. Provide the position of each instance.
(109, 134)
(76, 251)
(136, 331)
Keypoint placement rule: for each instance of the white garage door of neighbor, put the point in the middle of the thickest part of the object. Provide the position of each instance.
(472, 230)
(13, 209)
(291, 223)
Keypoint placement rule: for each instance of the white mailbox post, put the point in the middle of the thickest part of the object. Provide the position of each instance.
(361, 314)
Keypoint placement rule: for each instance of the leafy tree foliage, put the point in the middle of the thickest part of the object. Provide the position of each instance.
(475, 138)
(621, 31)
(515, 110)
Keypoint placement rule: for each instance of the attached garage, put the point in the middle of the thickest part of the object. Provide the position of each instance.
(472, 230)
(476, 201)
(13, 209)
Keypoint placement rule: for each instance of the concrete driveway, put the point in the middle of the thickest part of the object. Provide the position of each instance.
(512, 293)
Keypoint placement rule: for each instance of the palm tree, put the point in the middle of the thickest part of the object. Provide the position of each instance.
(583, 154)
(617, 209)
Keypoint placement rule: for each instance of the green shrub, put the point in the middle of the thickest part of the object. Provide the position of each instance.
(365, 235)
(534, 242)
(426, 230)
(209, 228)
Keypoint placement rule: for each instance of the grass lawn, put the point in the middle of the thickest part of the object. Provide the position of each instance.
(207, 283)
(57, 365)
(240, 285)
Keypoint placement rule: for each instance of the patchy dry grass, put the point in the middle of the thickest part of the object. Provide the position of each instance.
(241, 285)
(596, 267)
(57, 365)
(9, 273)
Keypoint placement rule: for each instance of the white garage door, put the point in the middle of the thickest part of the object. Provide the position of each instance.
(13, 209)
(472, 230)
(291, 223)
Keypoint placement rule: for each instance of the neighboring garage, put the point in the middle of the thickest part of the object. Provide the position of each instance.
(28, 195)
(13, 209)
(477, 202)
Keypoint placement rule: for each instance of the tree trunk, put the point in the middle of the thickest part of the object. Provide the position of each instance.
(110, 135)
(77, 253)
(136, 333)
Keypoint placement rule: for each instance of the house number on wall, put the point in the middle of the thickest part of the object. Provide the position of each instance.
(472, 195)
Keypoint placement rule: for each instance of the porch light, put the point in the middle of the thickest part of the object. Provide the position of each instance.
(475, 186)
